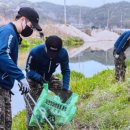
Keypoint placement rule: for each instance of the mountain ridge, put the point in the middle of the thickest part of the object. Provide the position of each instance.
(108, 15)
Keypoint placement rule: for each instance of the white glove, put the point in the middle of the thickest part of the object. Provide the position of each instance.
(24, 86)
(116, 56)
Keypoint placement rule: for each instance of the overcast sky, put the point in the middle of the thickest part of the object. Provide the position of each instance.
(89, 3)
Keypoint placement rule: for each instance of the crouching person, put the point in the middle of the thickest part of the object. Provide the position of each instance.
(120, 46)
(41, 64)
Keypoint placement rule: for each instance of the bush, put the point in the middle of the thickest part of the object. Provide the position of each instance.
(30, 43)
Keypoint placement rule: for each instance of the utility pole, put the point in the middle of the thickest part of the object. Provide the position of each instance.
(79, 16)
(108, 17)
(65, 12)
(121, 19)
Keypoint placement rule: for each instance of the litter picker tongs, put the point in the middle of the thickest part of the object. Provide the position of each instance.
(41, 111)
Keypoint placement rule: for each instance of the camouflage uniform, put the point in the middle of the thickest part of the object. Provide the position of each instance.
(120, 67)
(36, 89)
(5, 110)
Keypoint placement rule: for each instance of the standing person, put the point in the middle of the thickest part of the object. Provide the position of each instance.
(26, 19)
(122, 43)
(41, 64)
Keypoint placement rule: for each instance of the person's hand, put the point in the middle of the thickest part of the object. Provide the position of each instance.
(24, 86)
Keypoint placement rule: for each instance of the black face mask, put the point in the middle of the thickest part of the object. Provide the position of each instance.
(27, 31)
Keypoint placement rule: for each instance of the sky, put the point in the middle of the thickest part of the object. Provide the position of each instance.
(88, 3)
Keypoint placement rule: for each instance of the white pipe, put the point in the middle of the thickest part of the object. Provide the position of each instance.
(32, 112)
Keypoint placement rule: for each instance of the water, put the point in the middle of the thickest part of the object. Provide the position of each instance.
(88, 68)
(18, 103)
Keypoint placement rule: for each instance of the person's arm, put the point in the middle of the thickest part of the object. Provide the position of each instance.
(7, 40)
(65, 71)
(31, 67)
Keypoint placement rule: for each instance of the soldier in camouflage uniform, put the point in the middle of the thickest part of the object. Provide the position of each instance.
(41, 64)
(9, 72)
(122, 43)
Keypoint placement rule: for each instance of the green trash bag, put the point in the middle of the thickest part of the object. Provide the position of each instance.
(57, 112)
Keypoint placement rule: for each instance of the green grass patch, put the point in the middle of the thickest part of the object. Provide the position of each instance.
(103, 103)
(72, 42)
(19, 121)
(29, 43)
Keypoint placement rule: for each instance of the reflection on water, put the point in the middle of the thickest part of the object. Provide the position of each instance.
(104, 57)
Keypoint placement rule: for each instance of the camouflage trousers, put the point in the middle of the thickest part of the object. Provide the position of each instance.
(5, 110)
(35, 92)
(120, 67)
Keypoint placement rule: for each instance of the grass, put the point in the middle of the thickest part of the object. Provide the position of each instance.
(29, 43)
(72, 42)
(103, 103)
(19, 122)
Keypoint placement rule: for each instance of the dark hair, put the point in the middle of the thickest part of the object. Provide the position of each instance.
(18, 16)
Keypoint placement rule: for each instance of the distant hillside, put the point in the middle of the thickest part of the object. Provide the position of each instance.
(113, 14)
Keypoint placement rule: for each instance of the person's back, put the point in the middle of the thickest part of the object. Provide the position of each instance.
(122, 43)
